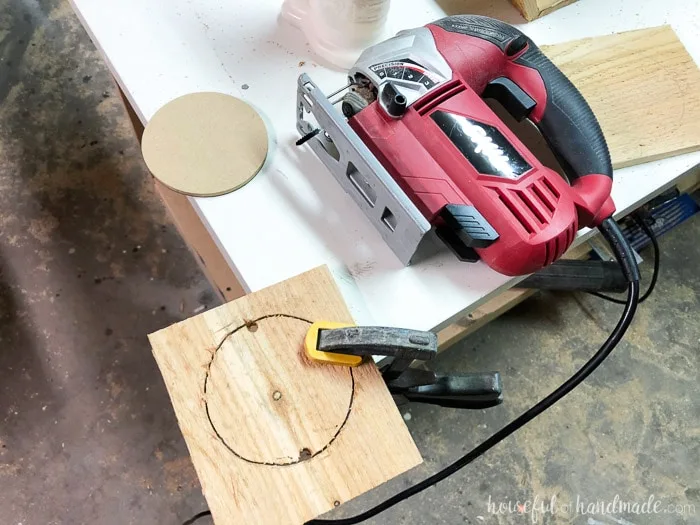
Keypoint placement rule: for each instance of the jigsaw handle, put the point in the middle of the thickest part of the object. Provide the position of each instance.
(569, 126)
(561, 113)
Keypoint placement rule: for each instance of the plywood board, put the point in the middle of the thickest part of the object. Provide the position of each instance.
(531, 9)
(643, 87)
(276, 438)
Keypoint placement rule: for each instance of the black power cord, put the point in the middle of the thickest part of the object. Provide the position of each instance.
(657, 258)
(196, 517)
(623, 254)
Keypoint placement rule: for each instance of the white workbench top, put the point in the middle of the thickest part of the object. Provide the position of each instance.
(293, 216)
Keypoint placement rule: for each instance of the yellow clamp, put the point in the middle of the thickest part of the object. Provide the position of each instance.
(311, 346)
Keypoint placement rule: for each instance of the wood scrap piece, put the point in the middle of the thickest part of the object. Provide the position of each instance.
(205, 144)
(274, 437)
(531, 9)
(643, 88)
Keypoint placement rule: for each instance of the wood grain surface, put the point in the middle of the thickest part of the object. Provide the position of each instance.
(643, 87)
(276, 438)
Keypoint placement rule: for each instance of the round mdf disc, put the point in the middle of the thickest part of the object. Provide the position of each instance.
(205, 144)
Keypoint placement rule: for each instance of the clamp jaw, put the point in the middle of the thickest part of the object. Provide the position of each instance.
(350, 345)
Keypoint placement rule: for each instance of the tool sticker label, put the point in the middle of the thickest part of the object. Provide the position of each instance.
(483, 146)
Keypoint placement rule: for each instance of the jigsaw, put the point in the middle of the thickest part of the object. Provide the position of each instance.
(418, 148)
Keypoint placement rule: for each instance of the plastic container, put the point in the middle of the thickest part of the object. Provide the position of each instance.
(339, 30)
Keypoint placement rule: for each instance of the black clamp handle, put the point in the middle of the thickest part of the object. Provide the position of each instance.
(469, 391)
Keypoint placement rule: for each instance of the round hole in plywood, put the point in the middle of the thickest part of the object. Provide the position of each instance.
(248, 369)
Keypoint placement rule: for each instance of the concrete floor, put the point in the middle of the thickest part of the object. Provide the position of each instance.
(91, 263)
